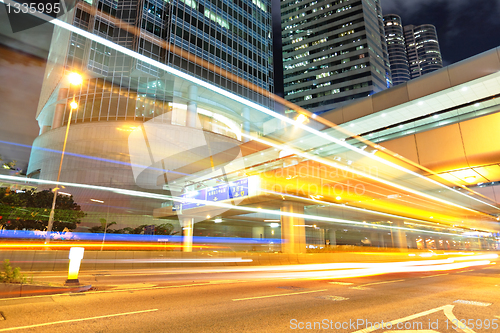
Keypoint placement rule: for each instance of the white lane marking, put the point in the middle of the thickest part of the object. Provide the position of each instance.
(374, 283)
(402, 320)
(423, 277)
(121, 290)
(448, 311)
(278, 295)
(342, 283)
(333, 298)
(75, 320)
(360, 288)
(471, 302)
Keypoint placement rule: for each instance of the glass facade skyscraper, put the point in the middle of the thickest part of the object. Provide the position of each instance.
(422, 47)
(396, 48)
(234, 36)
(134, 56)
(333, 52)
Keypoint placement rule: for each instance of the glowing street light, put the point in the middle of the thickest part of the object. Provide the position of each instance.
(74, 79)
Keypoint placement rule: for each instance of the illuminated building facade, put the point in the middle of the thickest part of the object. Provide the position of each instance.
(333, 52)
(422, 48)
(210, 40)
(396, 48)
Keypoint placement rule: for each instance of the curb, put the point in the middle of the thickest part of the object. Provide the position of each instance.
(14, 290)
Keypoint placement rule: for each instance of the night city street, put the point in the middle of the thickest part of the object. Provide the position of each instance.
(255, 302)
(250, 166)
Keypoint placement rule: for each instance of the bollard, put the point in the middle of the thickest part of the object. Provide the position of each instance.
(75, 258)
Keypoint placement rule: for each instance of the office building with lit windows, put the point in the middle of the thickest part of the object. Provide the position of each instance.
(422, 48)
(333, 52)
(396, 48)
(130, 54)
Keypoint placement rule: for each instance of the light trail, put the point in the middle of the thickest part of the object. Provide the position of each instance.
(221, 205)
(262, 109)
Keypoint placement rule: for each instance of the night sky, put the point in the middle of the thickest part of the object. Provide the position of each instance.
(465, 28)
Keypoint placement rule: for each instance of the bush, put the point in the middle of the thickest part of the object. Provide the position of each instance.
(11, 274)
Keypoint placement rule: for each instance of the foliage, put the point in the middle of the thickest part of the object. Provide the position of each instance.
(165, 229)
(161, 229)
(30, 210)
(11, 274)
(8, 165)
(103, 227)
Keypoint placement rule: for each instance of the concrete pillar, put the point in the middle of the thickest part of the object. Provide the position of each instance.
(246, 123)
(192, 113)
(60, 107)
(332, 236)
(187, 234)
(399, 236)
(375, 239)
(293, 231)
(381, 240)
(258, 232)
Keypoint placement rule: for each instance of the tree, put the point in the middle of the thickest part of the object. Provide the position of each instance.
(103, 227)
(161, 229)
(165, 229)
(30, 210)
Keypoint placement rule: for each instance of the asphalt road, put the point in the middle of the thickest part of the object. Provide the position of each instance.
(253, 301)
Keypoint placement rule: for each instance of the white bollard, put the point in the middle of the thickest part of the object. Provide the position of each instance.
(75, 258)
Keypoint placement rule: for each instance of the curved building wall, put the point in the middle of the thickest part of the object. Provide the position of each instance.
(422, 48)
(428, 50)
(396, 48)
(99, 153)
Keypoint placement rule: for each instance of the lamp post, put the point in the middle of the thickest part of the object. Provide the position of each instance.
(75, 79)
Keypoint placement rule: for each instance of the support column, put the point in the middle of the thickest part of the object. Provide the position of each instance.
(187, 234)
(60, 107)
(246, 123)
(375, 240)
(258, 232)
(192, 108)
(332, 234)
(399, 236)
(381, 239)
(293, 232)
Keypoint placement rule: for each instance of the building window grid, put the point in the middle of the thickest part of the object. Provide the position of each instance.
(191, 28)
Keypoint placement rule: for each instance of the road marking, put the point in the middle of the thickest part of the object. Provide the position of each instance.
(448, 311)
(360, 288)
(74, 320)
(374, 283)
(278, 295)
(402, 320)
(471, 302)
(119, 290)
(342, 283)
(423, 277)
(333, 298)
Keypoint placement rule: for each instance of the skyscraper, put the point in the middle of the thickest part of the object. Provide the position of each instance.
(225, 43)
(333, 52)
(396, 48)
(422, 47)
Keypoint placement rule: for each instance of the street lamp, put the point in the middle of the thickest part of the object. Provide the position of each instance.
(74, 79)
